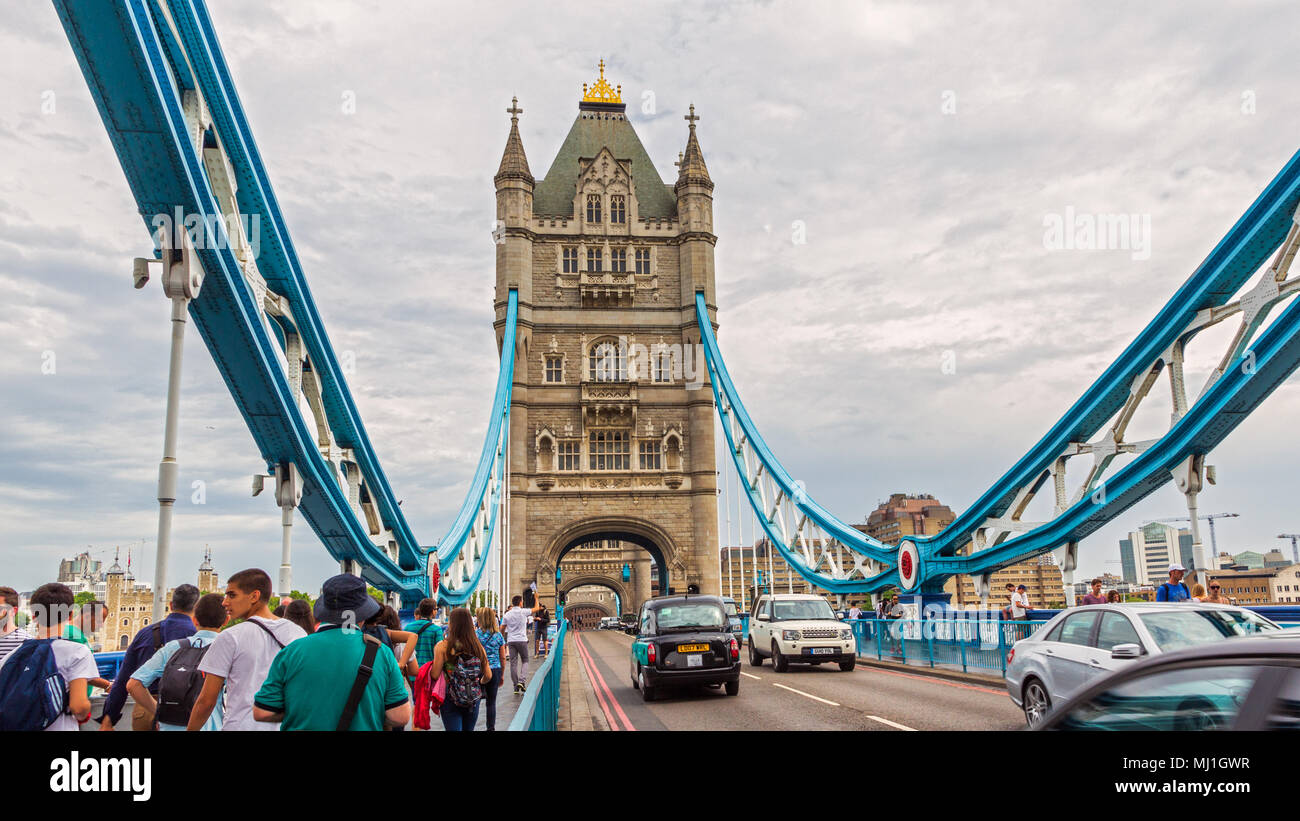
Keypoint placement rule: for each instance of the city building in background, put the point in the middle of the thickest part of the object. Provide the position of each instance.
(1266, 585)
(130, 603)
(80, 569)
(907, 515)
(1109, 581)
(1041, 577)
(1148, 551)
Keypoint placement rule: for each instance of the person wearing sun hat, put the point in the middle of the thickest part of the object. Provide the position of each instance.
(311, 682)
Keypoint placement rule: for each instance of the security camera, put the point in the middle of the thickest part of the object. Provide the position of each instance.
(140, 272)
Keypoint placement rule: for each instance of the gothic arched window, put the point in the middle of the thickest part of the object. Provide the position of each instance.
(617, 209)
(593, 208)
(607, 362)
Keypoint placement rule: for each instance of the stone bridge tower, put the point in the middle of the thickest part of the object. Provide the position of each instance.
(611, 425)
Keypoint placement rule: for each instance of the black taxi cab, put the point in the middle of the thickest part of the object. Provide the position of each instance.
(684, 640)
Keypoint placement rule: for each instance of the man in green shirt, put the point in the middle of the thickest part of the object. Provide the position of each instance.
(310, 680)
(90, 617)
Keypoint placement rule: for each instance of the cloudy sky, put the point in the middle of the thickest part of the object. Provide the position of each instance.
(920, 149)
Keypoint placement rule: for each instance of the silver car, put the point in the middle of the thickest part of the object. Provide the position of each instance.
(1079, 646)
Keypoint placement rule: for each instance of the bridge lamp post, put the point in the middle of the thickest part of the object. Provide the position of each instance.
(182, 277)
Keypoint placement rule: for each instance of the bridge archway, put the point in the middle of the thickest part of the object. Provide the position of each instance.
(644, 534)
(625, 595)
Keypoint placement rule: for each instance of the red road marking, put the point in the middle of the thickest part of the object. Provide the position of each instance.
(591, 666)
(600, 697)
(941, 681)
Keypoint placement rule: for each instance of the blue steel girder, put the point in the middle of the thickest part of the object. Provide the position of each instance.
(1249, 372)
(139, 67)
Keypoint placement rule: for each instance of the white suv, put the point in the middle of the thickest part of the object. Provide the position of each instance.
(798, 628)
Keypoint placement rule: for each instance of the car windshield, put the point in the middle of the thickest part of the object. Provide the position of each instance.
(1173, 629)
(680, 616)
(801, 609)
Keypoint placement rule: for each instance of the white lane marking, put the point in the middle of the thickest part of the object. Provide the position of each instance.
(751, 675)
(893, 724)
(806, 695)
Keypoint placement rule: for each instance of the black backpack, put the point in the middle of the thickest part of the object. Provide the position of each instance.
(180, 684)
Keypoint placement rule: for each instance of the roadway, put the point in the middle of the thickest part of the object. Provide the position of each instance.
(805, 698)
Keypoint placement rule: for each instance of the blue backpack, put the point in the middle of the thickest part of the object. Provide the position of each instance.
(33, 693)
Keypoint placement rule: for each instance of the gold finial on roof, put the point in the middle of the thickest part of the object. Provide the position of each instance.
(601, 91)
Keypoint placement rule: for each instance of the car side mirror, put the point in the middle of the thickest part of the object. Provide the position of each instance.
(764, 617)
(1126, 651)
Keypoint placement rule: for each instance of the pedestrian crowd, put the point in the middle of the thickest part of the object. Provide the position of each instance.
(230, 662)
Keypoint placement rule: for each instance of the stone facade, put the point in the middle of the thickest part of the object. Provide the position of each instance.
(611, 424)
(130, 605)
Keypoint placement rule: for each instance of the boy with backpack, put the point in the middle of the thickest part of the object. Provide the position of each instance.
(176, 669)
(43, 681)
(240, 656)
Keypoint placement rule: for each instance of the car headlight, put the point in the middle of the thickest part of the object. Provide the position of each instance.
(790, 635)
(846, 635)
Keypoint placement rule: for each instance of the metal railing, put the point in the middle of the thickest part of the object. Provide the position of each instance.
(540, 707)
(958, 644)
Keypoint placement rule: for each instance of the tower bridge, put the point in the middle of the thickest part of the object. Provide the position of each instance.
(601, 427)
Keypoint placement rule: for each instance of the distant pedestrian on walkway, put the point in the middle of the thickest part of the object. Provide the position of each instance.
(1174, 590)
(494, 644)
(515, 622)
(427, 633)
(1113, 597)
(855, 612)
(461, 658)
(1198, 592)
(541, 621)
(1095, 597)
(241, 655)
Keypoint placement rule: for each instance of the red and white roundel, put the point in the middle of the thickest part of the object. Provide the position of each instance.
(909, 565)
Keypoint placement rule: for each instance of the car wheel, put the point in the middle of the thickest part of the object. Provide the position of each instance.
(755, 660)
(1036, 702)
(733, 687)
(778, 661)
(647, 692)
(847, 666)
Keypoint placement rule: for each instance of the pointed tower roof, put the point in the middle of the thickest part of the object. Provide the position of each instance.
(207, 559)
(514, 163)
(116, 569)
(692, 169)
(602, 123)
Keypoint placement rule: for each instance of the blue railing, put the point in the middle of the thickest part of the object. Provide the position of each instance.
(540, 708)
(960, 643)
(109, 663)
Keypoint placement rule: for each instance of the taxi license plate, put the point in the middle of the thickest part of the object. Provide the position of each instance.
(692, 648)
(822, 651)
